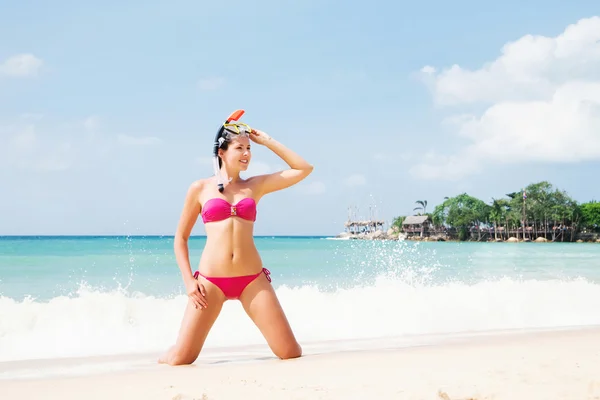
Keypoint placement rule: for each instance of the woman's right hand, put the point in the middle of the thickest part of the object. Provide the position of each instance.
(196, 292)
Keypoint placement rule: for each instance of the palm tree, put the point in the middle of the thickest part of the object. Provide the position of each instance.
(423, 206)
(498, 213)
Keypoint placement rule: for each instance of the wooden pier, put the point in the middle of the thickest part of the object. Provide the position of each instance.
(369, 225)
(364, 227)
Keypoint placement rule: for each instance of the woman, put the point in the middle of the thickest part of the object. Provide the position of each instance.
(230, 266)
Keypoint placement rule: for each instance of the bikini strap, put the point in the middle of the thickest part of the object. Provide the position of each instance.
(264, 270)
(267, 274)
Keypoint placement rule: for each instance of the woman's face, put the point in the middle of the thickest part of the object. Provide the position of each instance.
(238, 154)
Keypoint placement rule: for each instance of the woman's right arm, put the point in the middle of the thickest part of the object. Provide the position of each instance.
(187, 220)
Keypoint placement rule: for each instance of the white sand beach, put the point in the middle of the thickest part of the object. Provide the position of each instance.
(551, 365)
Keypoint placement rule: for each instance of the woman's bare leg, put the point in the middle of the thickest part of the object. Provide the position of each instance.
(262, 306)
(194, 328)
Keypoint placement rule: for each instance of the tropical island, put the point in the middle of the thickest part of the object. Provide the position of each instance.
(539, 213)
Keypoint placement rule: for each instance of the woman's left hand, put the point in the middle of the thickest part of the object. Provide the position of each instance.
(259, 137)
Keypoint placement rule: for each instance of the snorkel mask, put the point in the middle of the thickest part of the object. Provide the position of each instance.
(227, 130)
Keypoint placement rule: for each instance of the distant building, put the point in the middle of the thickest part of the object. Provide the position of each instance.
(368, 226)
(414, 225)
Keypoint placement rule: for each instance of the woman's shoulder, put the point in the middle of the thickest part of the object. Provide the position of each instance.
(197, 186)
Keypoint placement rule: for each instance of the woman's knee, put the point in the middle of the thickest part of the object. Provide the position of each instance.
(178, 357)
(292, 351)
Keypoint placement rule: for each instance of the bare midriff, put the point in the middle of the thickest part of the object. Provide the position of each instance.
(230, 249)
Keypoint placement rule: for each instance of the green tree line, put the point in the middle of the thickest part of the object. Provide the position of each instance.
(542, 207)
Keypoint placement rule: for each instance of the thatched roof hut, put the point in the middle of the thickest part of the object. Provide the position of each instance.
(416, 220)
(416, 225)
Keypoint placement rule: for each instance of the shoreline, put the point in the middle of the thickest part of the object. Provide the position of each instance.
(553, 363)
(380, 235)
(43, 368)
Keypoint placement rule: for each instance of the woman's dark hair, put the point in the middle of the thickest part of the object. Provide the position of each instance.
(224, 146)
(222, 140)
(227, 139)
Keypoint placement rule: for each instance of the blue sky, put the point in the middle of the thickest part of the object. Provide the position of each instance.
(108, 109)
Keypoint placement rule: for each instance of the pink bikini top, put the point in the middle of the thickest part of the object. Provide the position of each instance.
(218, 209)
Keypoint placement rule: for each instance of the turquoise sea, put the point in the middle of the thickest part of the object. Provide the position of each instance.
(89, 296)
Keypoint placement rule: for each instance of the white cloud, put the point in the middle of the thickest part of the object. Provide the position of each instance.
(542, 99)
(128, 140)
(25, 148)
(209, 84)
(258, 168)
(25, 139)
(355, 180)
(312, 188)
(31, 116)
(59, 159)
(20, 66)
(438, 166)
(381, 157)
(530, 68)
(385, 158)
(91, 123)
(30, 142)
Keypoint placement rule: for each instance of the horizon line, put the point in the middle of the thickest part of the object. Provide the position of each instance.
(140, 236)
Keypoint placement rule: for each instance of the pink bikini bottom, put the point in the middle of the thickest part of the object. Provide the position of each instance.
(233, 286)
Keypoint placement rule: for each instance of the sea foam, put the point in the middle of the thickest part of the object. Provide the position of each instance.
(93, 322)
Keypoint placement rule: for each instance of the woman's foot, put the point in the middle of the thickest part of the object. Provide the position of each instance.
(166, 356)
